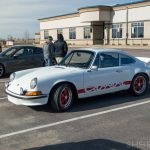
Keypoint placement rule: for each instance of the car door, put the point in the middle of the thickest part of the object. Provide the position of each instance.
(18, 60)
(108, 77)
(29, 58)
(38, 57)
(34, 57)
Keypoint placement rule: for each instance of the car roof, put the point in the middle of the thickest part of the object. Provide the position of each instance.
(25, 46)
(97, 50)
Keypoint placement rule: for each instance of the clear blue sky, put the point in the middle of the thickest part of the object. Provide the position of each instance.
(19, 16)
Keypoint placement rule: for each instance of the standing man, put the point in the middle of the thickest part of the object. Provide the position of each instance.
(48, 51)
(61, 48)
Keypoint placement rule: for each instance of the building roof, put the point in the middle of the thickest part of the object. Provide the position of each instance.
(37, 33)
(73, 13)
(130, 3)
(95, 6)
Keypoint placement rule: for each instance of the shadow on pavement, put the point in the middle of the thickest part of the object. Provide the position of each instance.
(6, 76)
(97, 144)
(99, 102)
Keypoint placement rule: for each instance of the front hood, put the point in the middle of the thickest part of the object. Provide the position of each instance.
(48, 72)
(43, 74)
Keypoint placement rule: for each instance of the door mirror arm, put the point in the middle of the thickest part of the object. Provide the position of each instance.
(15, 56)
(93, 68)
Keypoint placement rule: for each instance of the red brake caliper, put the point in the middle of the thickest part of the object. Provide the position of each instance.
(64, 96)
(138, 84)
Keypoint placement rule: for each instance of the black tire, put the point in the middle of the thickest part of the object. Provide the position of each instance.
(2, 70)
(139, 85)
(62, 97)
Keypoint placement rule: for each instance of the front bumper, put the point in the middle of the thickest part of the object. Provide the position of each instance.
(26, 100)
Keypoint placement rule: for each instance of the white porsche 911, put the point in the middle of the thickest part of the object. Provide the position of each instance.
(82, 73)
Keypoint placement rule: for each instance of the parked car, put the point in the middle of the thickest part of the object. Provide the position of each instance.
(82, 73)
(19, 58)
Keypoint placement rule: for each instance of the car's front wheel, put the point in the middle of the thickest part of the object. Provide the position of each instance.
(2, 70)
(139, 85)
(62, 97)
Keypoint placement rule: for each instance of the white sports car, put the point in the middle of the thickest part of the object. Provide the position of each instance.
(82, 73)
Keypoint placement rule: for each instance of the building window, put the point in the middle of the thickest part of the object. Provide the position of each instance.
(116, 31)
(137, 30)
(46, 34)
(87, 32)
(72, 33)
(59, 31)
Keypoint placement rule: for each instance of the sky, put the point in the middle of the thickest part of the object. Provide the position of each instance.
(19, 17)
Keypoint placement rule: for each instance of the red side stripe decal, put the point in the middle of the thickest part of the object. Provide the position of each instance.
(127, 82)
(91, 89)
(81, 91)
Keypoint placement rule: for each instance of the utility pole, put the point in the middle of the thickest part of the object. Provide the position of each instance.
(26, 37)
(127, 22)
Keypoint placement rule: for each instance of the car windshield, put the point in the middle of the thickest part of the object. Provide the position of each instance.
(80, 59)
(9, 52)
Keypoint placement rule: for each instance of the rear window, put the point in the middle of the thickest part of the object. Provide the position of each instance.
(109, 59)
(38, 50)
(125, 60)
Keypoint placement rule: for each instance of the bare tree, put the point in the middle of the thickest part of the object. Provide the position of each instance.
(26, 37)
(10, 38)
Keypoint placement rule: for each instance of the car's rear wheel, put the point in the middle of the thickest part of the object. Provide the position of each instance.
(2, 70)
(62, 97)
(139, 85)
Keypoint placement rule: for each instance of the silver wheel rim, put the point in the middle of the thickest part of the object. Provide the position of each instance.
(139, 84)
(1, 70)
(65, 99)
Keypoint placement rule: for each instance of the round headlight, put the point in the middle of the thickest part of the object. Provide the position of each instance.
(12, 77)
(33, 83)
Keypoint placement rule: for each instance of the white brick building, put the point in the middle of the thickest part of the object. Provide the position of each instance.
(127, 24)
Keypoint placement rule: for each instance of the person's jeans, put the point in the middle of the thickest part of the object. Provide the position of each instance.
(48, 62)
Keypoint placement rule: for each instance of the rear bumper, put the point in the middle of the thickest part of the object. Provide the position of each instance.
(26, 100)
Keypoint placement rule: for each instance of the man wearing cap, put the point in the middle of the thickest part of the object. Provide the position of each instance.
(48, 51)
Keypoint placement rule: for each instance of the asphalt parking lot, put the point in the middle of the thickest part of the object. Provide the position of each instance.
(115, 121)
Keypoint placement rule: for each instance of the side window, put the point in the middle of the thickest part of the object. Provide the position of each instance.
(10, 52)
(21, 52)
(30, 50)
(97, 61)
(37, 51)
(125, 60)
(109, 59)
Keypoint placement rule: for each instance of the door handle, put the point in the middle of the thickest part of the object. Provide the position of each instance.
(119, 71)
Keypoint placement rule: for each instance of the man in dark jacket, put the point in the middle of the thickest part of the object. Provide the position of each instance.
(61, 48)
(48, 51)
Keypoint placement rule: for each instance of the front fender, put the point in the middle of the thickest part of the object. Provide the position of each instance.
(24, 72)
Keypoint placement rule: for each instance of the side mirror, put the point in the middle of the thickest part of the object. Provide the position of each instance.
(15, 56)
(93, 68)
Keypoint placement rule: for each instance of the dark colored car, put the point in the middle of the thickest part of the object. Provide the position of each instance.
(19, 58)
